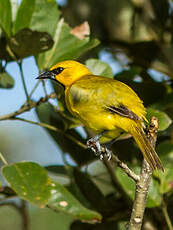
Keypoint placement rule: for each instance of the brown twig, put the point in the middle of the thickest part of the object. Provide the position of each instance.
(125, 168)
(142, 186)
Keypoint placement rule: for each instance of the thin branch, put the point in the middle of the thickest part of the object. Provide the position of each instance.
(142, 186)
(167, 218)
(125, 168)
(24, 214)
(51, 127)
(26, 108)
(34, 88)
(23, 81)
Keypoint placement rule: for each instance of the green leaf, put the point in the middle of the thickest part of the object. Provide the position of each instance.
(22, 46)
(164, 120)
(6, 81)
(66, 46)
(154, 198)
(31, 182)
(98, 67)
(24, 15)
(46, 12)
(165, 150)
(31, 13)
(5, 16)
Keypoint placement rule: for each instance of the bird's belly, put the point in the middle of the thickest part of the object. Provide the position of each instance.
(99, 122)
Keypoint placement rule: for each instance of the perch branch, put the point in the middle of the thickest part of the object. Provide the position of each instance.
(142, 186)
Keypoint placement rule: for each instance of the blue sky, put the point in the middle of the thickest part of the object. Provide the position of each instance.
(23, 141)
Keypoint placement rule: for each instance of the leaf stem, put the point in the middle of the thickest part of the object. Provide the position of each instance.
(23, 81)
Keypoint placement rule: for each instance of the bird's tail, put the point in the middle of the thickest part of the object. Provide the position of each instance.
(146, 148)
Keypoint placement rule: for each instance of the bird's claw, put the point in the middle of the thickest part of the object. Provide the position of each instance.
(99, 150)
(95, 146)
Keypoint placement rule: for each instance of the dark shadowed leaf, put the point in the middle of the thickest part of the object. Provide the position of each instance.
(22, 46)
(161, 10)
(31, 182)
(164, 120)
(95, 197)
(98, 67)
(57, 169)
(5, 16)
(4, 54)
(66, 46)
(6, 81)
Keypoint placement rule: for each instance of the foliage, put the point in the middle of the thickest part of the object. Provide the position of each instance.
(142, 46)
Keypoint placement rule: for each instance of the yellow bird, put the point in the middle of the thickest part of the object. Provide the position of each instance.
(106, 106)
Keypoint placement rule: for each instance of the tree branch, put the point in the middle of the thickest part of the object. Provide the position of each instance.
(142, 186)
(125, 168)
(27, 107)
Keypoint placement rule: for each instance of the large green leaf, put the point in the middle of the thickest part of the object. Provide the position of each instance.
(66, 46)
(165, 150)
(154, 196)
(46, 12)
(31, 13)
(98, 67)
(5, 16)
(24, 15)
(6, 81)
(164, 120)
(32, 183)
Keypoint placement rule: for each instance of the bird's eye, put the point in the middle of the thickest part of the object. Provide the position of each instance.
(57, 70)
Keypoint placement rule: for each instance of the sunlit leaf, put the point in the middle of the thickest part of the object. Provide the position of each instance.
(24, 15)
(66, 46)
(46, 12)
(31, 182)
(5, 16)
(98, 67)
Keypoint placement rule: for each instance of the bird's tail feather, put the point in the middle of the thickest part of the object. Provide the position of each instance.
(146, 148)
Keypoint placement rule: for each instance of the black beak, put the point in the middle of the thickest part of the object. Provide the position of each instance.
(46, 75)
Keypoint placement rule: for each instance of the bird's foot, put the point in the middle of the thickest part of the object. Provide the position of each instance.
(98, 149)
(94, 145)
(108, 154)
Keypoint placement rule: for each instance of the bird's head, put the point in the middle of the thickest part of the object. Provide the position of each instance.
(66, 72)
